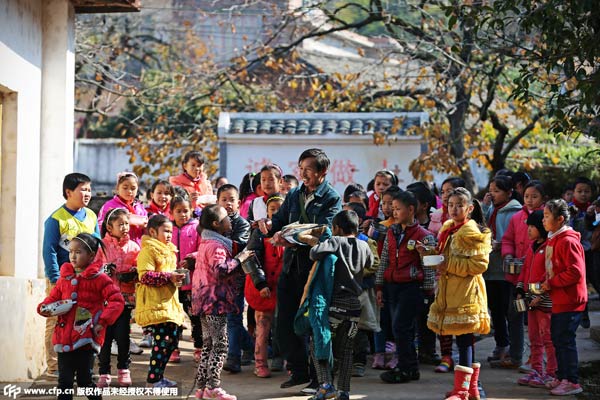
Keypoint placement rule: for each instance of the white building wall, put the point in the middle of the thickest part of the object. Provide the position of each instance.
(353, 158)
(33, 34)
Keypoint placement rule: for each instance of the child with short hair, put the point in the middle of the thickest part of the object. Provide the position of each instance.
(583, 191)
(193, 178)
(540, 305)
(126, 197)
(427, 352)
(157, 304)
(370, 312)
(460, 306)
(261, 287)
(213, 297)
(160, 196)
(270, 183)
(352, 257)
(120, 254)
(383, 180)
(186, 239)
(79, 332)
(385, 352)
(567, 193)
(401, 274)
(565, 268)
(289, 182)
(71, 219)
(239, 338)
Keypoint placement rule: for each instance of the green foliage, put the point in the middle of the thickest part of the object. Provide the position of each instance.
(557, 159)
(556, 44)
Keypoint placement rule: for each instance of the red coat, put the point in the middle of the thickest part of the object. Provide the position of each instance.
(565, 263)
(92, 289)
(534, 266)
(373, 210)
(272, 263)
(401, 263)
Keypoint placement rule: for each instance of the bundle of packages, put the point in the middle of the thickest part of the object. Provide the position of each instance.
(303, 234)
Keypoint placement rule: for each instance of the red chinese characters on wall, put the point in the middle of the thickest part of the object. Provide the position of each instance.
(255, 165)
(340, 171)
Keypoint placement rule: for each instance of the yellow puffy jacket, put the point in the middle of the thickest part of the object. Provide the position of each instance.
(460, 305)
(157, 304)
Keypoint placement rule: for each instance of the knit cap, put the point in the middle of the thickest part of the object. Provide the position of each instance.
(536, 219)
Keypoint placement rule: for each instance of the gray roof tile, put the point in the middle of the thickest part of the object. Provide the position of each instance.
(306, 124)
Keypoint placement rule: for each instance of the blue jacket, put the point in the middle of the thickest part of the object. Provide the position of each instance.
(60, 227)
(320, 210)
(313, 315)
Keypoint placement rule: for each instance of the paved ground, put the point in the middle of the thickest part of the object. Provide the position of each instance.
(499, 384)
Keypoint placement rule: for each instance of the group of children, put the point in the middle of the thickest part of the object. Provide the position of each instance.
(396, 274)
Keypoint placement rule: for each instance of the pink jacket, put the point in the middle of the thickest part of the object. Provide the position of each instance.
(135, 232)
(245, 207)
(123, 253)
(515, 241)
(214, 285)
(186, 239)
(200, 186)
(436, 221)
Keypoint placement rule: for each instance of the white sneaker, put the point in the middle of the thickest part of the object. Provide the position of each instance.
(114, 350)
(134, 348)
(146, 341)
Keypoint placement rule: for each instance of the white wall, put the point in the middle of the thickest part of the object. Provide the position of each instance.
(36, 81)
(20, 74)
(353, 158)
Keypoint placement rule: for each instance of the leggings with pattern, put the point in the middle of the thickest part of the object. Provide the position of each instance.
(214, 351)
(166, 339)
(343, 334)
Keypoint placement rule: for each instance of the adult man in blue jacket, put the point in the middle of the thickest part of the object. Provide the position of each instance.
(315, 201)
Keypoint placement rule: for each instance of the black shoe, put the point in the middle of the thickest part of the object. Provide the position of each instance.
(430, 359)
(247, 357)
(414, 374)
(232, 365)
(585, 321)
(295, 381)
(398, 376)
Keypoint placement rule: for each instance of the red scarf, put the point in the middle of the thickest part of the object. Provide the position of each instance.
(129, 206)
(492, 221)
(444, 235)
(153, 208)
(196, 179)
(581, 207)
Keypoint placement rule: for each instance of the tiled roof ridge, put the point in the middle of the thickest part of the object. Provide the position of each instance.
(310, 124)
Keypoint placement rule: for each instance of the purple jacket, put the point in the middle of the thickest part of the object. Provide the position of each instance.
(186, 240)
(135, 232)
(214, 282)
